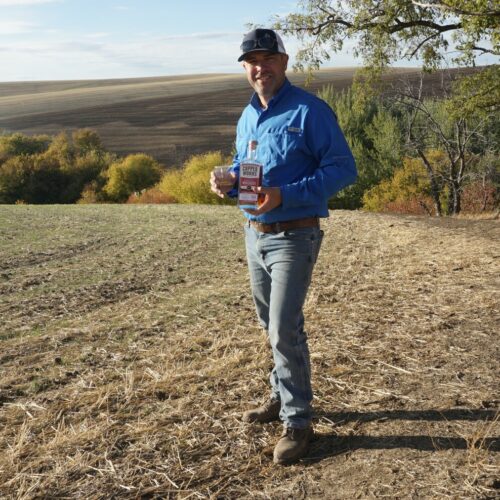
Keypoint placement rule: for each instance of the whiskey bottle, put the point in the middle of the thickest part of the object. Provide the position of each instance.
(250, 178)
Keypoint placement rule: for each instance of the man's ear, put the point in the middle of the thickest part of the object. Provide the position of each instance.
(285, 56)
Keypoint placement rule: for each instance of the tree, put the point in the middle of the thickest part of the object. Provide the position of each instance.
(61, 151)
(390, 30)
(32, 170)
(134, 173)
(86, 140)
(47, 181)
(409, 189)
(463, 139)
(14, 176)
(89, 168)
(408, 186)
(373, 132)
(43, 169)
(19, 144)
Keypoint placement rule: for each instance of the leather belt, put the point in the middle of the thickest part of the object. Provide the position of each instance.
(278, 227)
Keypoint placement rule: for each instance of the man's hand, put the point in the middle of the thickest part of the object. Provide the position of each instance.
(222, 189)
(272, 200)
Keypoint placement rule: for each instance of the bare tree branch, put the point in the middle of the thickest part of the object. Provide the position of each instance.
(486, 51)
(440, 28)
(366, 25)
(423, 42)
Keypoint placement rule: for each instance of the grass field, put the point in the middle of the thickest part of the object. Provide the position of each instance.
(129, 348)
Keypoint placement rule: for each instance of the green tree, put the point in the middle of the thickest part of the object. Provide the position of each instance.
(86, 140)
(31, 176)
(43, 169)
(47, 181)
(20, 144)
(86, 169)
(386, 135)
(134, 173)
(373, 132)
(392, 30)
(14, 176)
(61, 151)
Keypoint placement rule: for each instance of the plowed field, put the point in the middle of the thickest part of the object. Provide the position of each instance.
(171, 118)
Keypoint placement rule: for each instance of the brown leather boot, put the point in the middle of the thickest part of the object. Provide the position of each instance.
(293, 444)
(268, 412)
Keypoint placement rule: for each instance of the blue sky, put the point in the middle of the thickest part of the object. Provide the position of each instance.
(86, 39)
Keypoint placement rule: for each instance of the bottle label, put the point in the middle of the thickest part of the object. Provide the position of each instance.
(250, 177)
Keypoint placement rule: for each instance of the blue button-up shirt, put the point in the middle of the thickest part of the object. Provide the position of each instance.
(302, 150)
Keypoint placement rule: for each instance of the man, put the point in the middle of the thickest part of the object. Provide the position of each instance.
(305, 161)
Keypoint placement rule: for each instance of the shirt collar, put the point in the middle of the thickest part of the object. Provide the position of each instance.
(255, 101)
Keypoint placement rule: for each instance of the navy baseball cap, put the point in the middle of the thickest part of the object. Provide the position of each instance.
(261, 39)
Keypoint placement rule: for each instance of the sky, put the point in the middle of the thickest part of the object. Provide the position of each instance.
(93, 39)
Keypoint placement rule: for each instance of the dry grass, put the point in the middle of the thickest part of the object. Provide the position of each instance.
(479, 216)
(129, 349)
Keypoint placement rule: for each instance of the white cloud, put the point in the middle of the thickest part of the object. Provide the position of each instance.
(195, 53)
(64, 58)
(16, 3)
(96, 35)
(15, 27)
(98, 56)
(200, 36)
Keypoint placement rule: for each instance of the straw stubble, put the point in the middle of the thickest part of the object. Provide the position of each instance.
(130, 349)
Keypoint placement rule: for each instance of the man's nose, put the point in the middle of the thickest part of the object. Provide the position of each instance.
(261, 65)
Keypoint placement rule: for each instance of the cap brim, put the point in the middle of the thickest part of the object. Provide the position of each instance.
(258, 49)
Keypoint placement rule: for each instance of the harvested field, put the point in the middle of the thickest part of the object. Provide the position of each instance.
(170, 118)
(129, 348)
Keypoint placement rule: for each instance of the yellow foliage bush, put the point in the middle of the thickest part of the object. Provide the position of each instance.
(190, 184)
(22, 145)
(409, 187)
(89, 195)
(134, 173)
(374, 199)
(150, 196)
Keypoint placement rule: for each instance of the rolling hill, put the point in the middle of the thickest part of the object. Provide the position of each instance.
(170, 118)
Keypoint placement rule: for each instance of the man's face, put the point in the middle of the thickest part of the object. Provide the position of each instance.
(265, 72)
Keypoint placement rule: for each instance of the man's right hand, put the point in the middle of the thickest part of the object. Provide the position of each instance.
(222, 188)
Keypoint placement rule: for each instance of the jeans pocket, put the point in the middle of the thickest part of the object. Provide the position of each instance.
(302, 234)
(307, 239)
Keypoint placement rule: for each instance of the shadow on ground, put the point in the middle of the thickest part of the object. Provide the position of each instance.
(328, 445)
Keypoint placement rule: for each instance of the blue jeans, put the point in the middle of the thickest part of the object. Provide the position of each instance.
(281, 267)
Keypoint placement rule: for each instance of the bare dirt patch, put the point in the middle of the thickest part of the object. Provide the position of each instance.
(128, 355)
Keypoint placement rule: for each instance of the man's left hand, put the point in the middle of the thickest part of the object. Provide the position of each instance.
(272, 200)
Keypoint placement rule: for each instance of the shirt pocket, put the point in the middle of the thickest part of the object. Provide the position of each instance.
(282, 146)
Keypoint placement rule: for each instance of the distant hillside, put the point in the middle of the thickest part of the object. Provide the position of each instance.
(170, 118)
